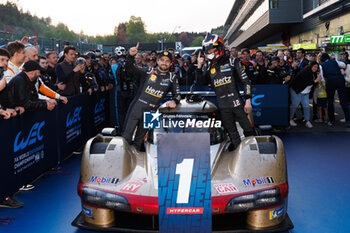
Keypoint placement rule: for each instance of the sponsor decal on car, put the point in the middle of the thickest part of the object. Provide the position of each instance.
(226, 188)
(131, 187)
(186, 210)
(87, 211)
(276, 213)
(104, 180)
(259, 181)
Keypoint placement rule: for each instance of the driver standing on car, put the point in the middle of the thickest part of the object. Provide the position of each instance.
(224, 74)
(155, 83)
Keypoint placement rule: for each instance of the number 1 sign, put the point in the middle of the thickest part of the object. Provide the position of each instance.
(184, 184)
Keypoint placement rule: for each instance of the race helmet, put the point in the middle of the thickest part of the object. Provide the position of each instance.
(120, 51)
(213, 41)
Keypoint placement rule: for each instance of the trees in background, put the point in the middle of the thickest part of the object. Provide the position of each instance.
(14, 20)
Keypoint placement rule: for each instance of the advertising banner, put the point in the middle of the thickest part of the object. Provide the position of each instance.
(29, 148)
(304, 46)
(73, 124)
(270, 104)
(339, 39)
(184, 183)
(98, 113)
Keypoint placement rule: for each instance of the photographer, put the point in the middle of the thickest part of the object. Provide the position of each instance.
(87, 79)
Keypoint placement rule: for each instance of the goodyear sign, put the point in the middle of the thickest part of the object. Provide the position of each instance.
(304, 46)
(339, 39)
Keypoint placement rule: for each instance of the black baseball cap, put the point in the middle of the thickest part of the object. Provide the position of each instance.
(31, 66)
(165, 54)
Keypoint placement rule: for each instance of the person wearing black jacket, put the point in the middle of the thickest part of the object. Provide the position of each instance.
(223, 73)
(70, 74)
(187, 71)
(248, 67)
(21, 90)
(52, 58)
(260, 67)
(301, 86)
(154, 86)
(274, 72)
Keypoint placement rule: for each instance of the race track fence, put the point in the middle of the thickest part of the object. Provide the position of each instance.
(37, 141)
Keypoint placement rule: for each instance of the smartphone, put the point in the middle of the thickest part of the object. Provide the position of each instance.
(31, 40)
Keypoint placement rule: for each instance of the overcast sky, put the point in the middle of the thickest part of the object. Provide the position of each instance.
(98, 17)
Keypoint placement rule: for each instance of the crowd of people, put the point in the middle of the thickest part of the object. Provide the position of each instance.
(31, 82)
(311, 78)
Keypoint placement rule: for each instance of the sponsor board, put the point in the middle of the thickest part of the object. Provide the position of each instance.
(73, 124)
(155, 120)
(304, 46)
(226, 188)
(184, 182)
(99, 113)
(34, 136)
(338, 39)
(23, 140)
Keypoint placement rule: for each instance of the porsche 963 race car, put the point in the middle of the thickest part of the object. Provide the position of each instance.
(118, 185)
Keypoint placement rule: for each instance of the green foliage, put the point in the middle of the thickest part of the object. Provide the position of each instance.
(135, 30)
(221, 31)
(197, 41)
(14, 20)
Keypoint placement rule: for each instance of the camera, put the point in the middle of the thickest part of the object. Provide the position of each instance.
(31, 40)
(80, 60)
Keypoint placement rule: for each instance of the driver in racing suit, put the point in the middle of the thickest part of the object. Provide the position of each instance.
(224, 74)
(155, 83)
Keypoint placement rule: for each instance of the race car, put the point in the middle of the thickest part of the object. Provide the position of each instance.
(118, 185)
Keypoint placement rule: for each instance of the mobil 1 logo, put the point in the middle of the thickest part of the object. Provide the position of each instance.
(184, 183)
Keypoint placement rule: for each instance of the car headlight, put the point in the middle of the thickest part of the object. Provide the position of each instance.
(254, 200)
(105, 199)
